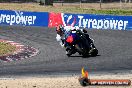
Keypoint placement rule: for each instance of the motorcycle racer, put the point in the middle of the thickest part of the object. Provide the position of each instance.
(64, 31)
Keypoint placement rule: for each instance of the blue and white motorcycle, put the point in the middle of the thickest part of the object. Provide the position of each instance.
(80, 42)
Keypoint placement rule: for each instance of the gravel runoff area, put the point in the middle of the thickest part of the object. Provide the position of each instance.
(58, 81)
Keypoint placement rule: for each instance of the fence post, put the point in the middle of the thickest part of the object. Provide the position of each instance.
(120, 4)
(100, 4)
(80, 4)
(62, 1)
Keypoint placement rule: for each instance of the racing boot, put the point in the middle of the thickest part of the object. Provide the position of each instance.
(68, 51)
(93, 52)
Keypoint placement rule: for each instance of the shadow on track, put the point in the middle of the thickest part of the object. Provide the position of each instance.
(85, 56)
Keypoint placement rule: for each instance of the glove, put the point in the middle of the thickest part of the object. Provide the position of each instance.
(58, 37)
(62, 44)
(84, 30)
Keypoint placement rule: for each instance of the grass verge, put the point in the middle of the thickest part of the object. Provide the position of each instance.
(64, 9)
(6, 48)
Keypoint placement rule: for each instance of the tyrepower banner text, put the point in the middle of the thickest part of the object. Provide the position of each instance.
(23, 18)
(45, 19)
(91, 21)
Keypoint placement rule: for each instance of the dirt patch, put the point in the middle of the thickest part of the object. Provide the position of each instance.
(57, 82)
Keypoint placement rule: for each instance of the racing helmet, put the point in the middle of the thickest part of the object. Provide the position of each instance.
(59, 29)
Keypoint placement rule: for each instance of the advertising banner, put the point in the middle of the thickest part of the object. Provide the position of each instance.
(45, 19)
(91, 21)
(23, 18)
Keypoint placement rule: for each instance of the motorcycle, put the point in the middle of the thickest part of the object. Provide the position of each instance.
(77, 41)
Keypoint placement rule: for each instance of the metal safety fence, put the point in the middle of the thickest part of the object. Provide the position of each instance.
(96, 4)
(17, 1)
(92, 4)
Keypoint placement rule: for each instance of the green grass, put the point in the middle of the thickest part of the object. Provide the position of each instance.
(6, 48)
(64, 9)
(113, 12)
(95, 11)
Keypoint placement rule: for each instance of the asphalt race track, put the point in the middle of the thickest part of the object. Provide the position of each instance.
(115, 52)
